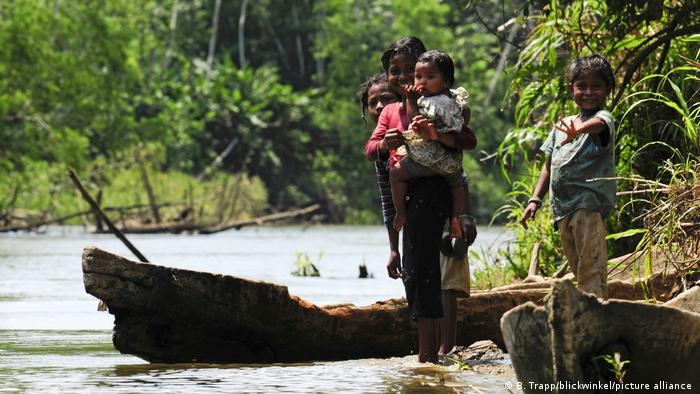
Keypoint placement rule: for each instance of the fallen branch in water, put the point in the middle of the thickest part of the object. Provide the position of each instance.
(260, 220)
(213, 227)
(96, 209)
(60, 219)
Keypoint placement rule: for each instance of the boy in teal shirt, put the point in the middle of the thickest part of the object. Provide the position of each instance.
(581, 151)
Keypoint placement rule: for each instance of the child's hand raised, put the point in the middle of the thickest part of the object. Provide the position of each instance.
(411, 92)
(570, 130)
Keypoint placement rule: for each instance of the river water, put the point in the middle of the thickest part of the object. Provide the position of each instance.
(52, 338)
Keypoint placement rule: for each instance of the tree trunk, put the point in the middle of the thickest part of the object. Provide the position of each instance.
(149, 190)
(501, 66)
(98, 220)
(278, 44)
(9, 206)
(212, 39)
(221, 206)
(218, 159)
(171, 36)
(300, 47)
(241, 34)
(237, 186)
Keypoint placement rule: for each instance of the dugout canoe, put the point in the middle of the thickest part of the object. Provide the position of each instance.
(171, 315)
(566, 340)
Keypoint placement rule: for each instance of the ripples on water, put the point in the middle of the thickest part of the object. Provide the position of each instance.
(52, 339)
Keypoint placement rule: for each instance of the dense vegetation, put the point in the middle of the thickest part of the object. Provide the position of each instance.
(103, 86)
(254, 102)
(654, 48)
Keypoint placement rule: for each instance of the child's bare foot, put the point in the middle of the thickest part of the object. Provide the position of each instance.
(399, 221)
(455, 227)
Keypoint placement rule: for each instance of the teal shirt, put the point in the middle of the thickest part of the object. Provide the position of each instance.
(576, 163)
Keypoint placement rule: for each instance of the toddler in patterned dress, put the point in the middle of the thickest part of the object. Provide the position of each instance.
(431, 98)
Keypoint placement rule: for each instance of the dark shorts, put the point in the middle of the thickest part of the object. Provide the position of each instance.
(427, 209)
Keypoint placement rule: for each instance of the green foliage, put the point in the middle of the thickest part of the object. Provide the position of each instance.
(670, 230)
(59, 93)
(373, 25)
(88, 82)
(486, 188)
(492, 271)
(34, 188)
(304, 265)
(461, 365)
(655, 56)
(540, 230)
(44, 187)
(616, 365)
(512, 262)
(361, 217)
(93, 82)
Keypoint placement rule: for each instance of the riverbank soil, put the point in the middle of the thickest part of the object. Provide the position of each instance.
(483, 357)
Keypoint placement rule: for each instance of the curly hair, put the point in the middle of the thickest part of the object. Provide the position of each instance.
(411, 46)
(444, 63)
(595, 64)
(363, 92)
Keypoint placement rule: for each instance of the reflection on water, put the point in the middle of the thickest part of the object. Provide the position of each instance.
(84, 361)
(53, 339)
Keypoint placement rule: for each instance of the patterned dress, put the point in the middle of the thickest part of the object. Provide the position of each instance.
(445, 112)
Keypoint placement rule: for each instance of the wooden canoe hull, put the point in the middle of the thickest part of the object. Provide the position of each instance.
(566, 339)
(173, 315)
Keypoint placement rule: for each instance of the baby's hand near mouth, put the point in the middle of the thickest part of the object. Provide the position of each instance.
(412, 92)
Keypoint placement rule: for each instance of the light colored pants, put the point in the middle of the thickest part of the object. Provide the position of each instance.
(583, 238)
(455, 274)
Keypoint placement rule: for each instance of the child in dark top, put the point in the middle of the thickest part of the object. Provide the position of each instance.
(581, 151)
(374, 95)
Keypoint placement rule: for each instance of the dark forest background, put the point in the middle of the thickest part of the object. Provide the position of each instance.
(257, 99)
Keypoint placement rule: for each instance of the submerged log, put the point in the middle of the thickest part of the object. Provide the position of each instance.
(213, 227)
(23, 220)
(38, 222)
(565, 341)
(166, 314)
(237, 224)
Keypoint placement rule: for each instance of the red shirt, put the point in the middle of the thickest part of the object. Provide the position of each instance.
(393, 116)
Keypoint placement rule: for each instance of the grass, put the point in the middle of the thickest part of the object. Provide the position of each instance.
(670, 214)
(659, 214)
(616, 365)
(42, 187)
(672, 220)
(512, 262)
